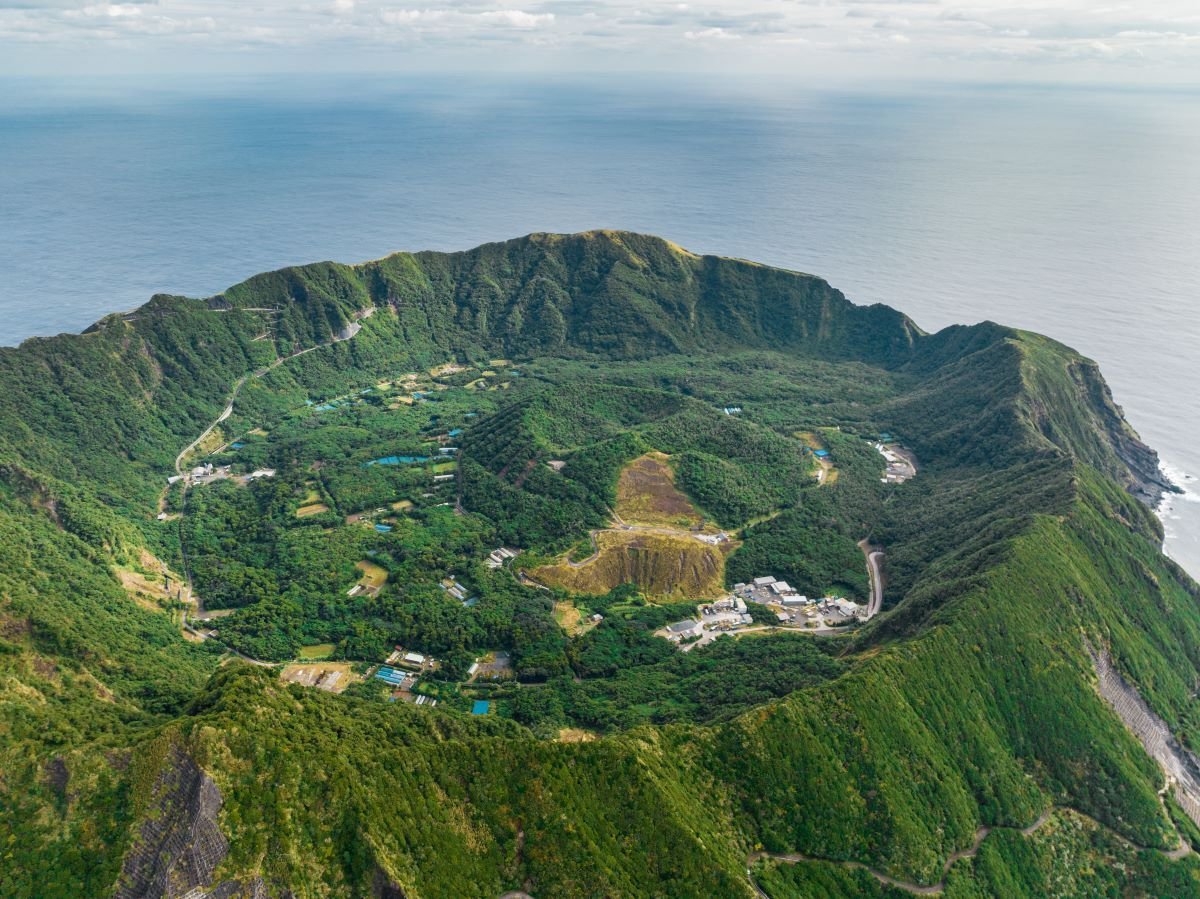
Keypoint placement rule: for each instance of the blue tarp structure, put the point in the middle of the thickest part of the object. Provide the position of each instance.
(480, 707)
(238, 445)
(397, 460)
(383, 528)
(391, 675)
(821, 454)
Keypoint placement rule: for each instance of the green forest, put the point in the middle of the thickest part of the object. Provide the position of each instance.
(396, 423)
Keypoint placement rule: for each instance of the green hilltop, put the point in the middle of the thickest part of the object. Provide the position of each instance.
(956, 739)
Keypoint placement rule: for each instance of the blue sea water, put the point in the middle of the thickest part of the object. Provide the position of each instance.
(1071, 212)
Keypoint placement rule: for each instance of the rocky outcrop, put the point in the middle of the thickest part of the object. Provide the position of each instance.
(1181, 767)
(179, 844)
(1143, 476)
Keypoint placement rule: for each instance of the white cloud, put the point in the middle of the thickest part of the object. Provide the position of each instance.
(751, 34)
(711, 34)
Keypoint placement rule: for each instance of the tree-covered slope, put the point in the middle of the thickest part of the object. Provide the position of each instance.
(133, 765)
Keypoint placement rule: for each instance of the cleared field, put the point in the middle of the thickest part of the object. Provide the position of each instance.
(827, 472)
(575, 735)
(374, 576)
(147, 587)
(316, 652)
(571, 620)
(445, 467)
(331, 676)
(402, 505)
(661, 564)
(646, 494)
(811, 439)
(311, 510)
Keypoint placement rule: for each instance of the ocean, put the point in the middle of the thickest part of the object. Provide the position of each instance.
(1073, 212)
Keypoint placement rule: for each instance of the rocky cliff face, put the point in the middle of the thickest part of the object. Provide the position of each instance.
(179, 845)
(1145, 478)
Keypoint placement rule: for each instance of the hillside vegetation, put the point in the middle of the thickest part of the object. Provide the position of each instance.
(136, 762)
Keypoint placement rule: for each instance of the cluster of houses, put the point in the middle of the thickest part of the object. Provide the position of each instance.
(722, 616)
(402, 670)
(832, 610)
(207, 473)
(499, 557)
(900, 467)
(412, 660)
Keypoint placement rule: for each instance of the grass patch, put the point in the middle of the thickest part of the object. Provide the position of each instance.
(311, 510)
(316, 652)
(374, 576)
(646, 494)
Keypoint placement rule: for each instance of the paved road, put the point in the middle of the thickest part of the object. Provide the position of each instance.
(874, 557)
(350, 331)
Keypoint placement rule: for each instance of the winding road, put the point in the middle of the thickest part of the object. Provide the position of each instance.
(938, 888)
(220, 418)
(874, 557)
(347, 333)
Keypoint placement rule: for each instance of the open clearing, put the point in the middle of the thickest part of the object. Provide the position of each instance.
(575, 735)
(331, 676)
(402, 505)
(570, 619)
(316, 652)
(310, 510)
(827, 473)
(646, 494)
(374, 576)
(147, 587)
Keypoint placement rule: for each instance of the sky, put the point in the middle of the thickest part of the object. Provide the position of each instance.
(1145, 41)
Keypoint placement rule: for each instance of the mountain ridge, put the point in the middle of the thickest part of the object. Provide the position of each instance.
(1022, 544)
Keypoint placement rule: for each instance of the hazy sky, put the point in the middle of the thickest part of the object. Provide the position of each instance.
(1046, 40)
